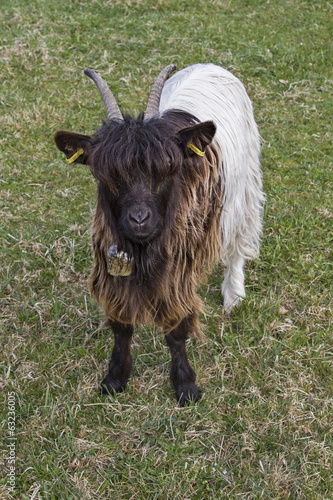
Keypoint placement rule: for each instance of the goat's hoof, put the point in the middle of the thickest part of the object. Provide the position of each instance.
(111, 386)
(187, 393)
(232, 302)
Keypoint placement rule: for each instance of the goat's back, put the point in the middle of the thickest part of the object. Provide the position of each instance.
(210, 92)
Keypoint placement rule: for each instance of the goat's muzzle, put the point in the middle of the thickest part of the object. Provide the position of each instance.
(139, 218)
(140, 222)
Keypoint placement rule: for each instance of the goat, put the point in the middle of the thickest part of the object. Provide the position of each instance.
(179, 189)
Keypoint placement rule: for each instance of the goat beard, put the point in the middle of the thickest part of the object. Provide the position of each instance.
(148, 261)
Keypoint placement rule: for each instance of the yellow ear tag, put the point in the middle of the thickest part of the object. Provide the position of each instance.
(78, 153)
(195, 150)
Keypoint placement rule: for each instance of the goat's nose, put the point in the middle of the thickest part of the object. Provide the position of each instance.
(139, 216)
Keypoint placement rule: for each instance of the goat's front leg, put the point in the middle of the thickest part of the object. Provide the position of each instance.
(182, 374)
(121, 362)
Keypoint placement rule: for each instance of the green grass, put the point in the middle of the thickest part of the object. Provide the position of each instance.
(264, 426)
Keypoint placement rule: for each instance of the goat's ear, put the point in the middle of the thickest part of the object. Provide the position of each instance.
(75, 146)
(193, 140)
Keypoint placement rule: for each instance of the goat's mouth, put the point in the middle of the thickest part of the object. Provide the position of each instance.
(142, 237)
(141, 234)
(140, 223)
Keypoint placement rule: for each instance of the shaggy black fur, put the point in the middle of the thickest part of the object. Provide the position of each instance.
(161, 204)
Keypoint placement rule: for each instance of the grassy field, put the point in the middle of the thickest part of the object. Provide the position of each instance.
(264, 428)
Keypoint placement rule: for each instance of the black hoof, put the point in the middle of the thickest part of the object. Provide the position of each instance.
(111, 386)
(187, 393)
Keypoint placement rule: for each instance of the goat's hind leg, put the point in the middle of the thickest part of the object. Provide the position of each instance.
(233, 290)
(121, 361)
(182, 374)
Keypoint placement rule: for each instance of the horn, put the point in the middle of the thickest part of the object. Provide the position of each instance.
(156, 91)
(110, 103)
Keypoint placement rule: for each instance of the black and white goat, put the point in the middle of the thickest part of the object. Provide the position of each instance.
(179, 188)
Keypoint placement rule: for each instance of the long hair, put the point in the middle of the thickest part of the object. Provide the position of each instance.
(211, 92)
(179, 188)
(168, 269)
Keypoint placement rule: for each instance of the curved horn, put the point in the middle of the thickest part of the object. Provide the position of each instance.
(156, 91)
(110, 103)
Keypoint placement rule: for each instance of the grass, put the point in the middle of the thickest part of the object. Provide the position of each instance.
(264, 426)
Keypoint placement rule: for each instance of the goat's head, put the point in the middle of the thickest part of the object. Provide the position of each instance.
(139, 163)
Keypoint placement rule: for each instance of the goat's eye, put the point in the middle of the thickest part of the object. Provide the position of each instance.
(111, 186)
(171, 166)
(168, 170)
